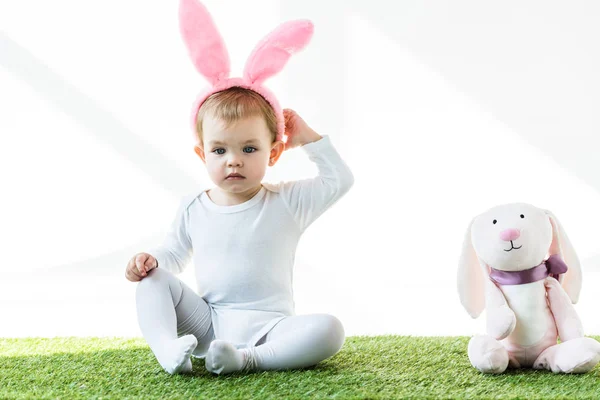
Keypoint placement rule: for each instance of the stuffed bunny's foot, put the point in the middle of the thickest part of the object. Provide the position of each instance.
(575, 356)
(487, 354)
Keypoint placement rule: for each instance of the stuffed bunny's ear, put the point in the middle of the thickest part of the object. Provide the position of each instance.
(470, 278)
(204, 42)
(561, 245)
(272, 53)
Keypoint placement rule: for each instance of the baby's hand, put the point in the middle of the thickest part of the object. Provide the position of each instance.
(139, 266)
(297, 131)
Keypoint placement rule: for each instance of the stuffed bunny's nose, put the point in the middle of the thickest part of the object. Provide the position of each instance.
(510, 234)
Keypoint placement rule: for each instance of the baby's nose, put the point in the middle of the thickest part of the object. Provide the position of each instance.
(510, 234)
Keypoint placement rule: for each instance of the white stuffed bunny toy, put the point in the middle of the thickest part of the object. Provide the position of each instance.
(512, 265)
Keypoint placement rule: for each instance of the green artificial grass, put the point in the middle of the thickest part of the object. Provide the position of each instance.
(381, 367)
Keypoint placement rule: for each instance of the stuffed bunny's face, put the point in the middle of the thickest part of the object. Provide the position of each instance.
(512, 237)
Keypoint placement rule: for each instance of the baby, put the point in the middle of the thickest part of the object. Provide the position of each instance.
(242, 235)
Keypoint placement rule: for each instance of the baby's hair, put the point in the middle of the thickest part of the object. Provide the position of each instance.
(235, 103)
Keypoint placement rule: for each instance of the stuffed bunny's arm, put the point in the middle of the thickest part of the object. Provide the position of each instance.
(500, 319)
(567, 321)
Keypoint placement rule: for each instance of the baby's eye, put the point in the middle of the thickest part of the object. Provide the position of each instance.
(219, 151)
(249, 149)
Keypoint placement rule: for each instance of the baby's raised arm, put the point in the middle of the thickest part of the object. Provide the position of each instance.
(308, 199)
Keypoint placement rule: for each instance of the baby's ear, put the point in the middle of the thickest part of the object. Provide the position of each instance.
(199, 149)
(276, 151)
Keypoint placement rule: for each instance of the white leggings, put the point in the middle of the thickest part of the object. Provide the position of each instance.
(167, 309)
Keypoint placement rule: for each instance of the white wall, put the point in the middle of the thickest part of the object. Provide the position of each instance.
(442, 109)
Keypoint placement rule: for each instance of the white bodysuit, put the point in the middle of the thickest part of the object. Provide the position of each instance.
(244, 254)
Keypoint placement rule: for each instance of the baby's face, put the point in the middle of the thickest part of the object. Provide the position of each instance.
(237, 155)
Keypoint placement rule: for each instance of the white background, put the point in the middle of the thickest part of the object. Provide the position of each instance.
(442, 109)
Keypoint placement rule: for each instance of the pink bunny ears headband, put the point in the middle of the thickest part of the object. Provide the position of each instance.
(209, 55)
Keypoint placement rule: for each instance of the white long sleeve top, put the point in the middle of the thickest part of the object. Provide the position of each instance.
(244, 254)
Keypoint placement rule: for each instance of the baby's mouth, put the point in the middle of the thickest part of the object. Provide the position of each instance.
(235, 176)
(512, 247)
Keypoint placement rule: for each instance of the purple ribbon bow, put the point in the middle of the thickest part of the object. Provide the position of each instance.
(553, 267)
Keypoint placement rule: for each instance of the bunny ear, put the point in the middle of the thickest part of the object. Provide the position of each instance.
(205, 44)
(471, 278)
(561, 245)
(272, 53)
